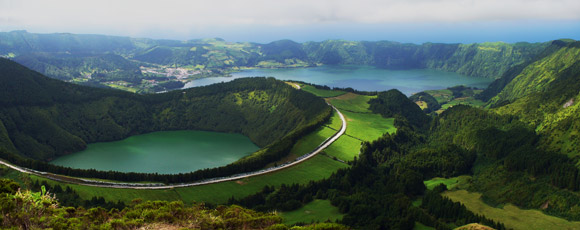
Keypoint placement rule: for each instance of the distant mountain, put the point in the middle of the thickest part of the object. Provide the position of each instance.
(488, 60)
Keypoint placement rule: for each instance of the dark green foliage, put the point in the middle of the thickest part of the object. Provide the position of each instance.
(445, 161)
(432, 104)
(393, 102)
(499, 84)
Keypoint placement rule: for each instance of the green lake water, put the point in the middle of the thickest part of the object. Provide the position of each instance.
(365, 78)
(167, 152)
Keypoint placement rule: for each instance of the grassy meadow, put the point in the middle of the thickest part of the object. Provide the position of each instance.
(315, 211)
(352, 102)
(512, 216)
(321, 92)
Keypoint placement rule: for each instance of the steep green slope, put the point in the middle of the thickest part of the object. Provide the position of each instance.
(42, 118)
(545, 95)
(499, 84)
(490, 59)
(538, 76)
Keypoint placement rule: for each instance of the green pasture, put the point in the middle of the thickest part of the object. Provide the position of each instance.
(368, 126)
(322, 92)
(315, 211)
(512, 216)
(352, 102)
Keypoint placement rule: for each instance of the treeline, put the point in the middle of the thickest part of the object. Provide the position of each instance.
(449, 211)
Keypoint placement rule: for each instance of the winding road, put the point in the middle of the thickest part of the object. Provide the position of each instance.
(95, 183)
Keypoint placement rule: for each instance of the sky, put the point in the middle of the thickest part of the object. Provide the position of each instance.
(414, 21)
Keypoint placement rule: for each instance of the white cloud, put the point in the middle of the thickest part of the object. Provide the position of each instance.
(135, 16)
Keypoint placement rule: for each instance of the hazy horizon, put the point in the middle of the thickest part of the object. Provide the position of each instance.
(413, 21)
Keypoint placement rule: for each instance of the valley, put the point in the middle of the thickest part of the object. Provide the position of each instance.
(439, 151)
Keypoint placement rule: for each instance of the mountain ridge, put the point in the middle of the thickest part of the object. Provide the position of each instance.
(488, 59)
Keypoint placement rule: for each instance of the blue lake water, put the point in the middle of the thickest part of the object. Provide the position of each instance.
(365, 78)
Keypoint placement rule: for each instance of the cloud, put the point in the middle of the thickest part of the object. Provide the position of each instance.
(183, 16)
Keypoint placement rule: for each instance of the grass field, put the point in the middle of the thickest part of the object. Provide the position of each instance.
(445, 98)
(451, 183)
(510, 215)
(442, 96)
(311, 141)
(110, 194)
(352, 102)
(321, 92)
(419, 226)
(345, 148)
(319, 167)
(368, 126)
(335, 122)
(315, 211)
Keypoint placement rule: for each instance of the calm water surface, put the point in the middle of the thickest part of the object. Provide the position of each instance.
(162, 152)
(366, 78)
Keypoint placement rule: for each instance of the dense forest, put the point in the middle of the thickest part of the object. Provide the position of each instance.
(42, 118)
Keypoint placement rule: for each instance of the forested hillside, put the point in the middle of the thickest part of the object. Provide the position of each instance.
(544, 94)
(42, 118)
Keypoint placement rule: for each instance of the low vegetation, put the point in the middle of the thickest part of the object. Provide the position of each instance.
(41, 210)
(315, 211)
